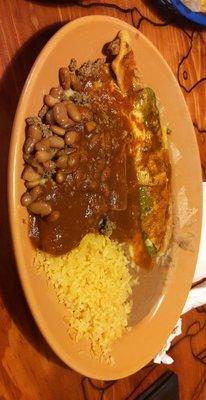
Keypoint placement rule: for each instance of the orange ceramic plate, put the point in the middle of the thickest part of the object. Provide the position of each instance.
(159, 299)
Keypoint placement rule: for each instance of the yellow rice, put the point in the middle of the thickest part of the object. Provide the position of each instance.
(94, 283)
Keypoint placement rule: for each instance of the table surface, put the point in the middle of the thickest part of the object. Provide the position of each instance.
(28, 368)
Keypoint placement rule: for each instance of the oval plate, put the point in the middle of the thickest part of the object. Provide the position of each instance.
(197, 17)
(83, 39)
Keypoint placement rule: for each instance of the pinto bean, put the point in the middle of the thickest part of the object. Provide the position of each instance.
(66, 150)
(56, 142)
(50, 101)
(34, 132)
(29, 174)
(71, 137)
(29, 145)
(50, 119)
(64, 77)
(73, 111)
(43, 156)
(57, 92)
(54, 216)
(43, 144)
(60, 115)
(35, 192)
(69, 124)
(58, 130)
(26, 199)
(61, 162)
(43, 111)
(72, 64)
(30, 185)
(60, 152)
(42, 208)
(91, 126)
(49, 166)
(75, 82)
(38, 167)
(60, 177)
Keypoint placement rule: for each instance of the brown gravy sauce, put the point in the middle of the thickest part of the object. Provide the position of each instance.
(104, 184)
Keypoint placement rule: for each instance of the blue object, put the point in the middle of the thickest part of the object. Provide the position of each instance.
(197, 17)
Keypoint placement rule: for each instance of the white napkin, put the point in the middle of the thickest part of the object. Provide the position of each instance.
(197, 295)
(200, 271)
(194, 5)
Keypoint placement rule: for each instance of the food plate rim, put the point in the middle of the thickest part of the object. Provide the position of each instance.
(11, 196)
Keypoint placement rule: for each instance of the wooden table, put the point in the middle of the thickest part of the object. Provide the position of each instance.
(28, 368)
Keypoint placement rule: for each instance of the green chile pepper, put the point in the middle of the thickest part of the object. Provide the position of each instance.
(146, 103)
(146, 202)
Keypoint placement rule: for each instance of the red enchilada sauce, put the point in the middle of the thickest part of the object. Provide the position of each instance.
(101, 191)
